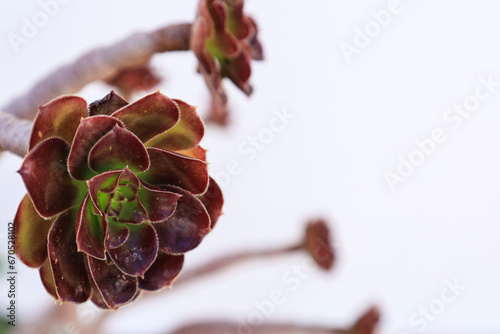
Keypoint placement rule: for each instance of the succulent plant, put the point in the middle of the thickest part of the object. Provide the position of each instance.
(115, 196)
(225, 41)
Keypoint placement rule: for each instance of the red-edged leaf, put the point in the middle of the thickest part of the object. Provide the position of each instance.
(68, 265)
(213, 200)
(115, 287)
(137, 254)
(128, 178)
(90, 231)
(58, 118)
(118, 149)
(48, 279)
(162, 272)
(100, 188)
(31, 232)
(185, 135)
(46, 177)
(186, 228)
(149, 116)
(96, 296)
(168, 168)
(159, 204)
(116, 234)
(197, 152)
(238, 70)
(91, 129)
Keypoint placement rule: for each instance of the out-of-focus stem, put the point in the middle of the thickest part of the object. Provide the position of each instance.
(316, 242)
(230, 260)
(366, 324)
(218, 328)
(100, 64)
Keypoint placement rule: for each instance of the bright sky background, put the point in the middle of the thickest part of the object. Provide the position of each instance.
(353, 123)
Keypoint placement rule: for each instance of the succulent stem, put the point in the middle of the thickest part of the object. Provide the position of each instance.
(100, 64)
(228, 261)
(14, 134)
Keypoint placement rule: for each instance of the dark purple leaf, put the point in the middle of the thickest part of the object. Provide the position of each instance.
(46, 177)
(186, 228)
(137, 254)
(117, 234)
(213, 201)
(48, 279)
(115, 287)
(159, 204)
(68, 265)
(168, 168)
(162, 273)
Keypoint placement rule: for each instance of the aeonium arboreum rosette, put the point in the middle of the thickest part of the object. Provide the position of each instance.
(115, 196)
(224, 39)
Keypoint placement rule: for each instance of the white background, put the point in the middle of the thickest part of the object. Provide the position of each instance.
(353, 121)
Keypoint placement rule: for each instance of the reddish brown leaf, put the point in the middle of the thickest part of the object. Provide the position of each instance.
(168, 168)
(47, 180)
(115, 287)
(186, 228)
(184, 135)
(68, 265)
(162, 273)
(118, 149)
(213, 200)
(58, 118)
(137, 254)
(149, 116)
(91, 129)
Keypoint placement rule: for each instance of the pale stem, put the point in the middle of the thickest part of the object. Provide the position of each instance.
(14, 134)
(100, 64)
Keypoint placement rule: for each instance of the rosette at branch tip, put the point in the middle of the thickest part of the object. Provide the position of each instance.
(224, 40)
(116, 196)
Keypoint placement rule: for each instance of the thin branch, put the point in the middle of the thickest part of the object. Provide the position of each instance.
(218, 328)
(366, 324)
(230, 260)
(316, 241)
(14, 134)
(100, 64)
